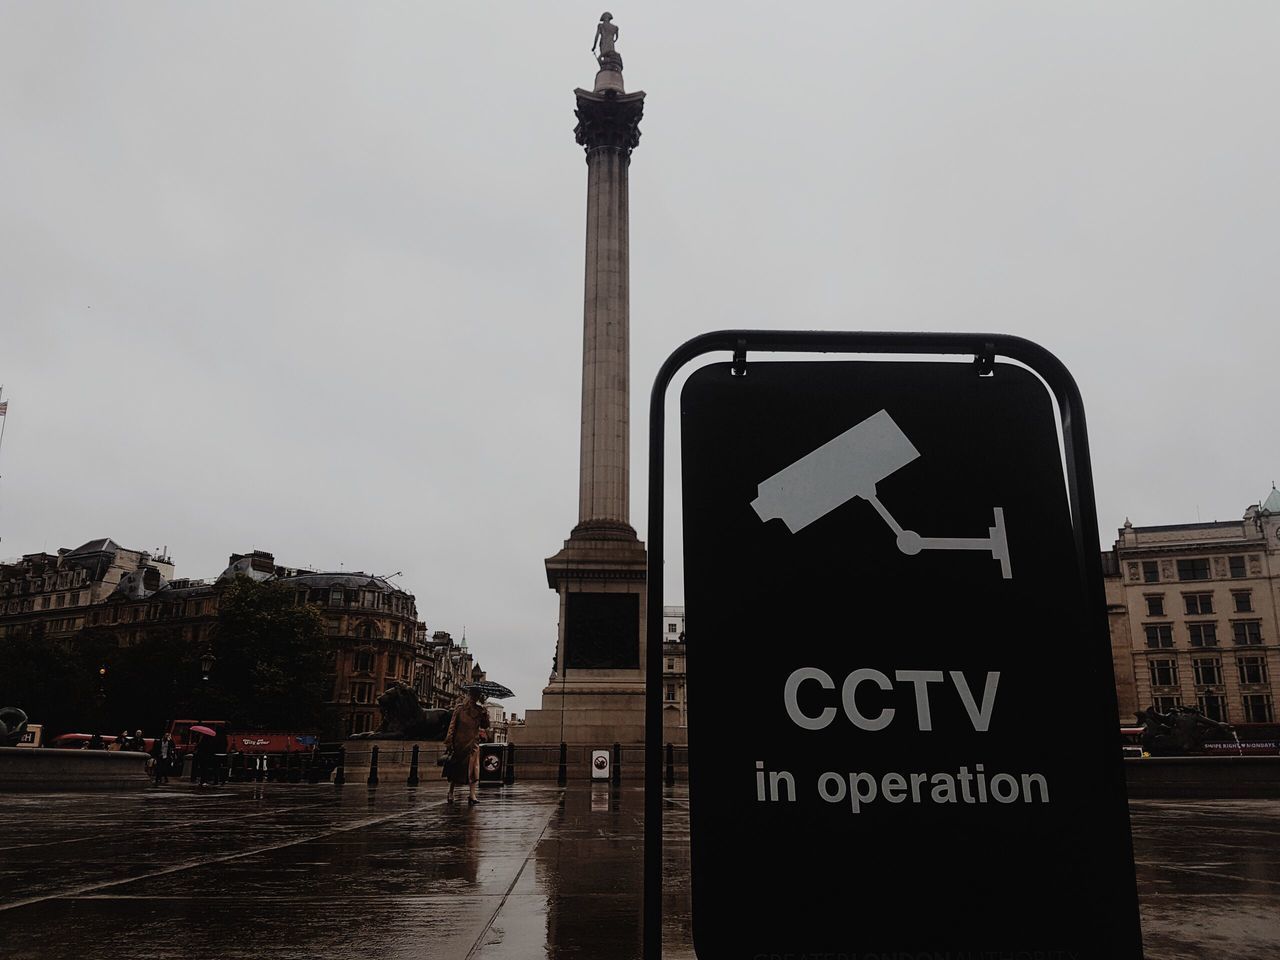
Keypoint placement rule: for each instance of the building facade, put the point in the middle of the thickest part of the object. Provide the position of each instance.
(675, 700)
(1199, 606)
(130, 594)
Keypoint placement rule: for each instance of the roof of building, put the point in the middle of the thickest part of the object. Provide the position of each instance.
(1210, 525)
(1272, 504)
(349, 581)
(105, 545)
(245, 566)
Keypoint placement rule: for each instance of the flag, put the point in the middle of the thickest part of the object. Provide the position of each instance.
(4, 407)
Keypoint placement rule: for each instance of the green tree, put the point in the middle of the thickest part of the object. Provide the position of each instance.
(39, 677)
(274, 660)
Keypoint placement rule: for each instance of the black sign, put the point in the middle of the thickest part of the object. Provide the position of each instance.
(902, 722)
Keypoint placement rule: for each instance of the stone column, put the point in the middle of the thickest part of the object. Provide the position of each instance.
(609, 129)
(596, 696)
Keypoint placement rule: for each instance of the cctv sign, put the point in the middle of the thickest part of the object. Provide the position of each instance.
(901, 712)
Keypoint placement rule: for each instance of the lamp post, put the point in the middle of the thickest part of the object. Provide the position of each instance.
(102, 696)
(207, 660)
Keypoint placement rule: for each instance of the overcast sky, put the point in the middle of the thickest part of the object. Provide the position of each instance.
(307, 277)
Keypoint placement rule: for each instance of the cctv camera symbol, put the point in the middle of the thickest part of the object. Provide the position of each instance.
(850, 466)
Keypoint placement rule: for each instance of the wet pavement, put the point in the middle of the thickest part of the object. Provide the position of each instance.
(281, 871)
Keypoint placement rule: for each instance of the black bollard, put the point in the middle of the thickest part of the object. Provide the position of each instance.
(260, 762)
(617, 763)
(237, 765)
(671, 765)
(563, 776)
(509, 775)
(373, 767)
(413, 767)
(192, 758)
(340, 775)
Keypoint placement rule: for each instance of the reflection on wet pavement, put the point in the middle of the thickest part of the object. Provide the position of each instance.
(286, 871)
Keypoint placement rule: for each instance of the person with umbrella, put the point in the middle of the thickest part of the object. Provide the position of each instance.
(467, 728)
(206, 753)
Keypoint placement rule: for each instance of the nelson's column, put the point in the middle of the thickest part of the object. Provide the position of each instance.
(596, 694)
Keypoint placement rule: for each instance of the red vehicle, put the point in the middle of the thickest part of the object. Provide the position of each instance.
(251, 741)
(80, 741)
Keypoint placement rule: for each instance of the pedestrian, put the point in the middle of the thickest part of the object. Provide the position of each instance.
(96, 743)
(205, 758)
(164, 753)
(467, 728)
(139, 742)
(121, 742)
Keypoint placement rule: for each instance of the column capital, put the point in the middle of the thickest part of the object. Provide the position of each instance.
(609, 120)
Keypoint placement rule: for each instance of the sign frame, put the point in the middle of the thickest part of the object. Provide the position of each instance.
(984, 348)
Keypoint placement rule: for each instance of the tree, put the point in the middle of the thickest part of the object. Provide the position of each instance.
(39, 677)
(274, 659)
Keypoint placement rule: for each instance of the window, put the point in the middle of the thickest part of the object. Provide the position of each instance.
(1155, 605)
(335, 598)
(1257, 708)
(671, 665)
(1193, 569)
(671, 693)
(62, 600)
(1159, 635)
(1198, 603)
(671, 627)
(363, 692)
(1164, 673)
(1243, 600)
(75, 598)
(1252, 669)
(364, 662)
(1166, 703)
(1247, 632)
(1208, 671)
(44, 603)
(1237, 567)
(1150, 571)
(1203, 634)
(1213, 706)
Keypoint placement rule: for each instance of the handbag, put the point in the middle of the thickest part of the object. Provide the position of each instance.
(446, 757)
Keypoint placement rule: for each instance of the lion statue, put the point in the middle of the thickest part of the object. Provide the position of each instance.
(403, 718)
(13, 724)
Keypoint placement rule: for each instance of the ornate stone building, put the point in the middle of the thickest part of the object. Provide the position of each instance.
(1197, 605)
(131, 593)
(45, 594)
(675, 699)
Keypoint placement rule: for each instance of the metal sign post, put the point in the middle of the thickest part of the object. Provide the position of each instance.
(891, 576)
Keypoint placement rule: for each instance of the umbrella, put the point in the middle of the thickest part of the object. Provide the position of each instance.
(206, 731)
(488, 688)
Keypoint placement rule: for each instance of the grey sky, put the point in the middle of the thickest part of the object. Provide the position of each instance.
(308, 277)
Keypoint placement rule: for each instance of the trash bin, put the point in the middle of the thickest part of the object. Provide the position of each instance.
(601, 763)
(493, 758)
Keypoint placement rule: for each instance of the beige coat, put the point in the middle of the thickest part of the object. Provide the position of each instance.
(466, 730)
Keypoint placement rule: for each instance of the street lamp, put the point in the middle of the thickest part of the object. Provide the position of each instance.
(102, 696)
(207, 660)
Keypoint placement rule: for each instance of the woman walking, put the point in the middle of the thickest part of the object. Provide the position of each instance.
(164, 753)
(467, 729)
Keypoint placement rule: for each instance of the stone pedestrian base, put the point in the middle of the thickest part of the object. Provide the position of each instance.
(1206, 778)
(394, 760)
(40, 770)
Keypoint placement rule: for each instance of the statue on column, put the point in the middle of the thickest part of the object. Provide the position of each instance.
(606, 37)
